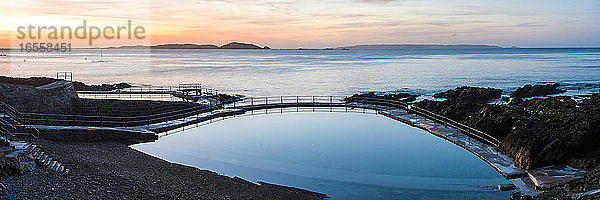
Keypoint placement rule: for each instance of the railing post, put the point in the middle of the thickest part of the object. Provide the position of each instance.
(266, 100)
(330, 99)
(297, 100)
(6, 132)
(281, 99)
(313, 97)
(251, 101)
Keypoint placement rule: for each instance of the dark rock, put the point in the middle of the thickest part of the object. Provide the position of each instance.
(507, 187)
(519, 196)
(402, 97)
(461, 102)
(539, 138)
(9, 166)
(227, 99)
(491, 119)
(537, 90)
(476, 94)
(592, 194)
(79, 86)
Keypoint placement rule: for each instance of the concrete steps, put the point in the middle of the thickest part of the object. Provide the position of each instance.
(42, 158)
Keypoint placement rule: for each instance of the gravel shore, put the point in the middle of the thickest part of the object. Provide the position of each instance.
(111, 170)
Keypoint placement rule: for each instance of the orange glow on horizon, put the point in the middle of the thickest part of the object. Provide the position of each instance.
(318, 24)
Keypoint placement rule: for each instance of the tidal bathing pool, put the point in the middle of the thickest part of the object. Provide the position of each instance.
(344, 155)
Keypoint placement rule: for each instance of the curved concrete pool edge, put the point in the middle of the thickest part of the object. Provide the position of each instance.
(501, 163)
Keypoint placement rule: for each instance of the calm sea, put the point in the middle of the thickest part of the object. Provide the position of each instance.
(319, 72)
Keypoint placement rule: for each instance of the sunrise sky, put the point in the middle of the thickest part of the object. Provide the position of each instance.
(318, 24)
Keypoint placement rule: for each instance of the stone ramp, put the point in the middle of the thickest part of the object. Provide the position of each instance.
(54, 85)
(555, 175)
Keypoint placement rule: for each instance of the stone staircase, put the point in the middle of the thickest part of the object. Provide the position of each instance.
(38, 155)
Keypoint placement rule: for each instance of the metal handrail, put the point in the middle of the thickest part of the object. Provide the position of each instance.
(4, 127)
(258, 101)
(153, 88)
(480, 134)
(128, 120)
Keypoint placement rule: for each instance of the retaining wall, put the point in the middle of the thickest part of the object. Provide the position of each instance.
(57, 97)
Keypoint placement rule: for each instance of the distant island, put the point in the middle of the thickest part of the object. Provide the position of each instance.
(231, 45)
(419, 46)
(239, 45)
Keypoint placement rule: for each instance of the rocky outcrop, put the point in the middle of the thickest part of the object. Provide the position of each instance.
(537, 90)
(461, 102)
(79, 86)
(10, 166)
(227, 99)
(536, 132)
(402, 97)
(552, 130)
(471, 94)
(491, 119)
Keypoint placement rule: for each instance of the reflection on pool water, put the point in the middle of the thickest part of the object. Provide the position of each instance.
(344, 155)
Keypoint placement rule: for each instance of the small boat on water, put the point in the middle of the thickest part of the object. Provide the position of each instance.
(2, 54)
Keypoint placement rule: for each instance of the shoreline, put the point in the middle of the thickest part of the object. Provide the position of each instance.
(110, 170)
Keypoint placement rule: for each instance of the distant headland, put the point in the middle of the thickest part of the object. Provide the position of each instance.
(420, 46)
(231, 45)
(239, 45)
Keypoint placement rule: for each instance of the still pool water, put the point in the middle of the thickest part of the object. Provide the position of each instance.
(344, 155)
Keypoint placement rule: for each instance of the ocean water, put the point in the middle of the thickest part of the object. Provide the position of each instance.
(320, 72)
(344, 155)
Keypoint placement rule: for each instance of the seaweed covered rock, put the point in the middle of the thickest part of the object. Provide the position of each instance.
(537, 90)
(461, 102)
(476, 94)
(403, 97)
(493, 120)
(535, 132)
(455, 110)
(552, 130)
